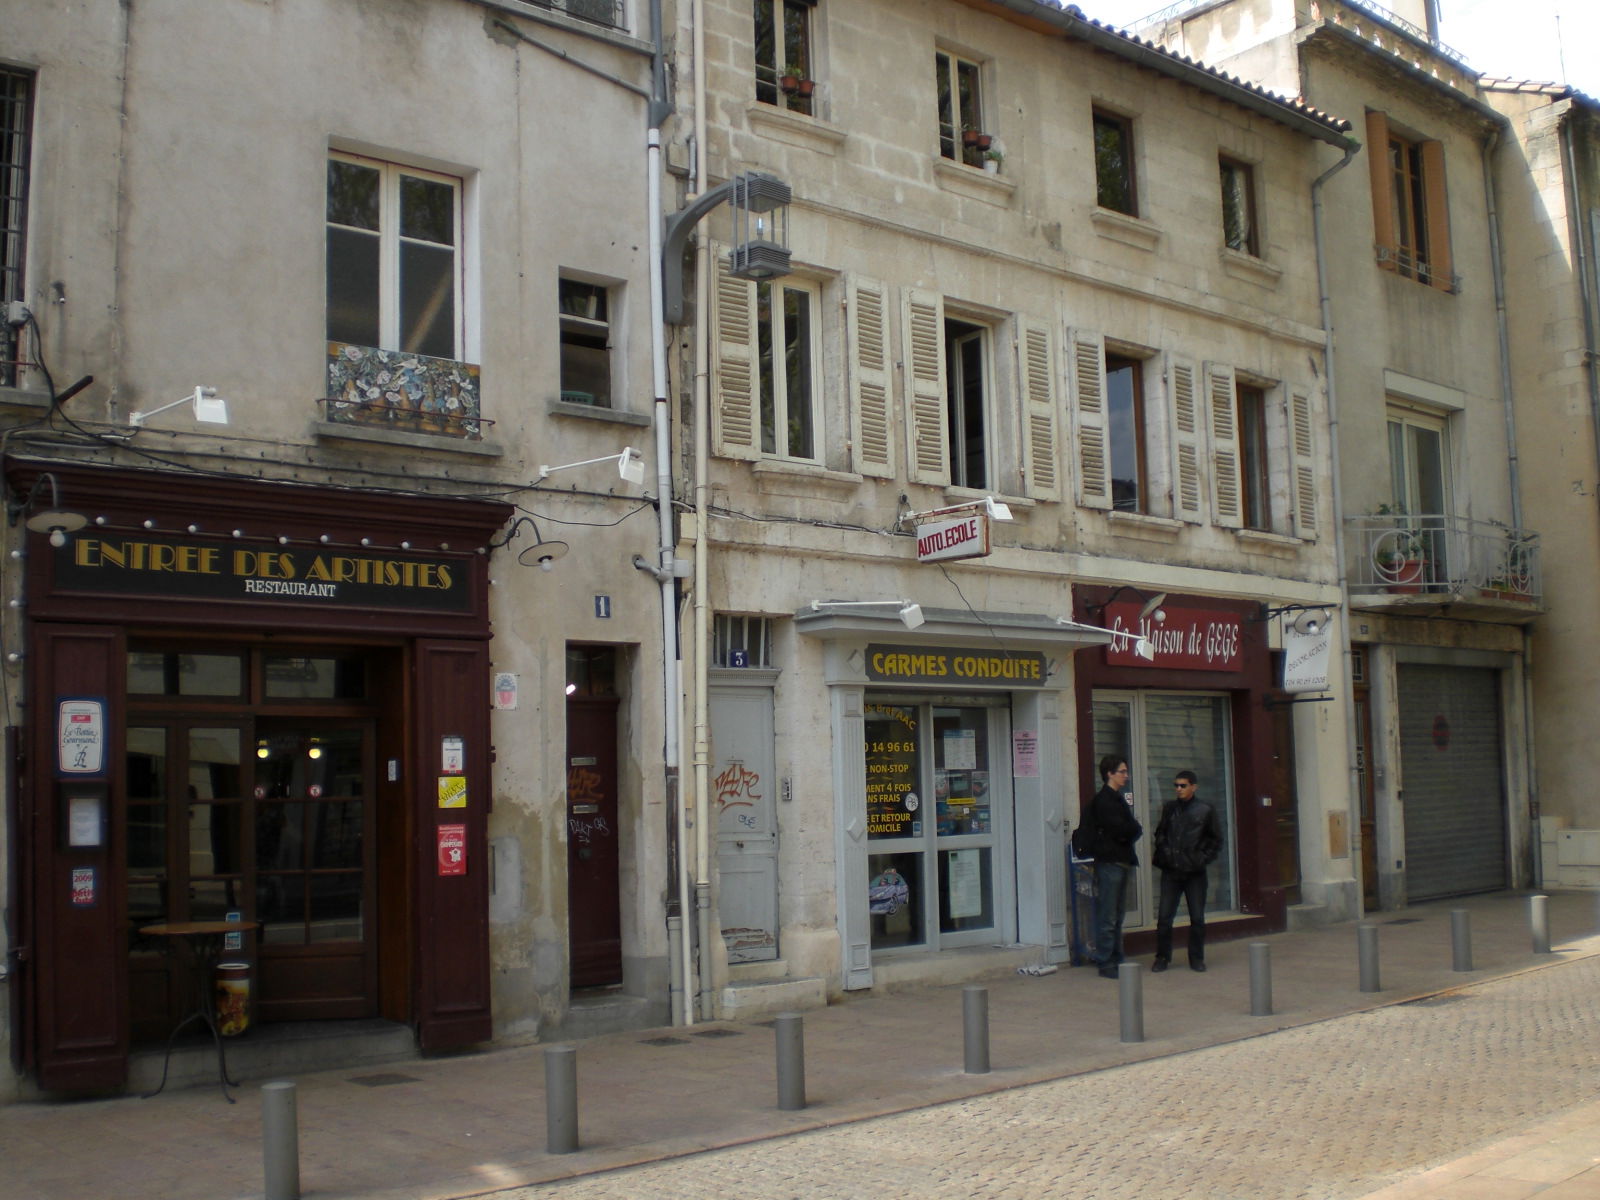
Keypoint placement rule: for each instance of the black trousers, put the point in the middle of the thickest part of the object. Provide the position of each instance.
(1192, 887)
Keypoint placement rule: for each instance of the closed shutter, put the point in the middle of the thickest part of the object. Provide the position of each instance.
(1302, 465)
(1451, 776)
(733, 402)
(1383, 231)
(923, 314)
(1088, 406)
(871, 423)
(1223, 401)
(1441, 273)
(1188, 440)
(1036, 373)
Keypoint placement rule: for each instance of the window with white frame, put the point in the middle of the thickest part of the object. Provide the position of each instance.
(786, 370)
(394, 263)
(585, 342)
(967, 416)
(959, 85)
(783, 54)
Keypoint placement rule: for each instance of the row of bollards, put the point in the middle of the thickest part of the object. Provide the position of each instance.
(279, 1119)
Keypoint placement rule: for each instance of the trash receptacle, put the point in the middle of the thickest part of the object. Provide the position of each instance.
(1080, 891)
(233, 998)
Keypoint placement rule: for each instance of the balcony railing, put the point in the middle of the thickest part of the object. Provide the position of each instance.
(394, 389)
(1443, 556)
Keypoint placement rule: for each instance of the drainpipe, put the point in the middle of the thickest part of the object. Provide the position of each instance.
(1325, 305)
(660, 110)
(1513, 476)
(702, 581)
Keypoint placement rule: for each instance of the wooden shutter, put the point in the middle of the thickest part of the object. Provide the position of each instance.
(1036, 380)
(735, 432)
(1223, 401)
(1188, 440)
(1383, 231)
(923, 314)
(1089, 418)
(1302, 465)
(1438, 218)
(871, 420)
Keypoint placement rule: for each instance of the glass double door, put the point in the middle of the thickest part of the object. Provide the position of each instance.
(1160, 734)
(269, 821)
(941, 849)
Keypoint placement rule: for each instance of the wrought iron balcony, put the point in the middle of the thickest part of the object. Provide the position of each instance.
(1442, 558)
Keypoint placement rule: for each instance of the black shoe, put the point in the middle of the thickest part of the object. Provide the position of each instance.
(1197, 966)
(1108, 973)
(1158, 966)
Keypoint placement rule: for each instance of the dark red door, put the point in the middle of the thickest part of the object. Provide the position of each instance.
(594, 907)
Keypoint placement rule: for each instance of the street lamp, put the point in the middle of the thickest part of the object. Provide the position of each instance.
(760, 206)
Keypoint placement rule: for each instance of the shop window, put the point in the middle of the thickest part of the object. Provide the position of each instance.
(1410, 217)
(962, 134)
(967, 403)
(786, 370)
(1239, 207)
(586, 337)
(1126, 434)
(738, 641)
(784, 61)
(1115, 185)
(16, 150)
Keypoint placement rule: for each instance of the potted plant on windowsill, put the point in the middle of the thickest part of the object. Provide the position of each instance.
(1399, 555)
(992, 158)
(793, 81)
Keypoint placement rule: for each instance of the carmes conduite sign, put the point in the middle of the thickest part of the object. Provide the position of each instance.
(943, 664)
(151, 566)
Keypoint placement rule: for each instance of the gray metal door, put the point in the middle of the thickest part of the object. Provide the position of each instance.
(1451, 773)
(744, 789)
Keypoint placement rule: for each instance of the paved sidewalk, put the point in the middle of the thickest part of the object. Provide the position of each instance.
(465, 1125)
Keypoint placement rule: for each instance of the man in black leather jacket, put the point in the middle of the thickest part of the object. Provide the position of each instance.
(1187, 839)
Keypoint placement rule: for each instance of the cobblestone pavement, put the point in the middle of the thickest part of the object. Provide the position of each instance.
(1321, 1112)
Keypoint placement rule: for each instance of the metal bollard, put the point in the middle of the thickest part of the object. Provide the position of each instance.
(1539, 920)
(280, 1141)
(560, 1099)
(1260, 979)
(1367, 950)
(1130, 999)
(791, 1046)
(1460, 940)
(975, 1029)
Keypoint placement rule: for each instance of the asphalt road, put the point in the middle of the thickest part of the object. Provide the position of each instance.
(1328, 1111)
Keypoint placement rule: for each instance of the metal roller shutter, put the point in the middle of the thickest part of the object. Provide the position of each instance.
(1454, 799)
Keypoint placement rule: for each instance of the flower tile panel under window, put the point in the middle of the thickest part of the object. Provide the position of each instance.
(394, 389)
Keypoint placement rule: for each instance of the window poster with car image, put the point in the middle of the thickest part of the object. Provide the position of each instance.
(894, 808)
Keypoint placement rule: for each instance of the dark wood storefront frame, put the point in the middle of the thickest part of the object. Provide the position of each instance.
(72, 959)
(1261, 897)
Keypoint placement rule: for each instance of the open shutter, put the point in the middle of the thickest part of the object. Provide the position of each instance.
(923, 314)
(1223, 397)
(1439, 260)
(871, 424)
(1302, 465)
(1383, 232)
(1188, 440)
(733, 402)
(1036, 376)
(1089, 417)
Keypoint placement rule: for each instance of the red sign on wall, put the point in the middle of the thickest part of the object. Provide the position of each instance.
(452, 849)
(1188, 639)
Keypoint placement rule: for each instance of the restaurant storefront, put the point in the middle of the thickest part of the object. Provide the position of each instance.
(949, 783)
(259, 703)
(1202, 699)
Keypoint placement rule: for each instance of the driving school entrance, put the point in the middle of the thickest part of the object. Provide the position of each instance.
(263, 714)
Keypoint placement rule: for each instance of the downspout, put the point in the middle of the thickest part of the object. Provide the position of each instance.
(1325, 305)
(1513, 479)
(702, 580)
(660, 110)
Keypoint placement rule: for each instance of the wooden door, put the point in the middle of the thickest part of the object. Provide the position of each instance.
(594, 900)
(1285, 803)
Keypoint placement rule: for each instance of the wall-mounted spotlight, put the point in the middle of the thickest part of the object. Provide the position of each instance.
(207, 408)
(995, 510)
(630, 465)
(909, 612)
(1120, 638)
(53, 520)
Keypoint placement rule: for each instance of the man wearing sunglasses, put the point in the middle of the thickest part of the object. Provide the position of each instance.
(1187, 839)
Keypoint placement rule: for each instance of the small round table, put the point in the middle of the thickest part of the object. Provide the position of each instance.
(198, 944)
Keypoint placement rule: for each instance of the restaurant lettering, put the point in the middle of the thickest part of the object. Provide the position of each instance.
(910, 664)
(209, 570)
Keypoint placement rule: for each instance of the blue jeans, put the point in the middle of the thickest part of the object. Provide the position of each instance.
(1110, 886)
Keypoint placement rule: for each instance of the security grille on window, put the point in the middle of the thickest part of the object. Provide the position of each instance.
(784, 75)
(738, 641)
(585, 343)
(393, 273)
(1115, 186)
(16, 117)
(962, 135)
